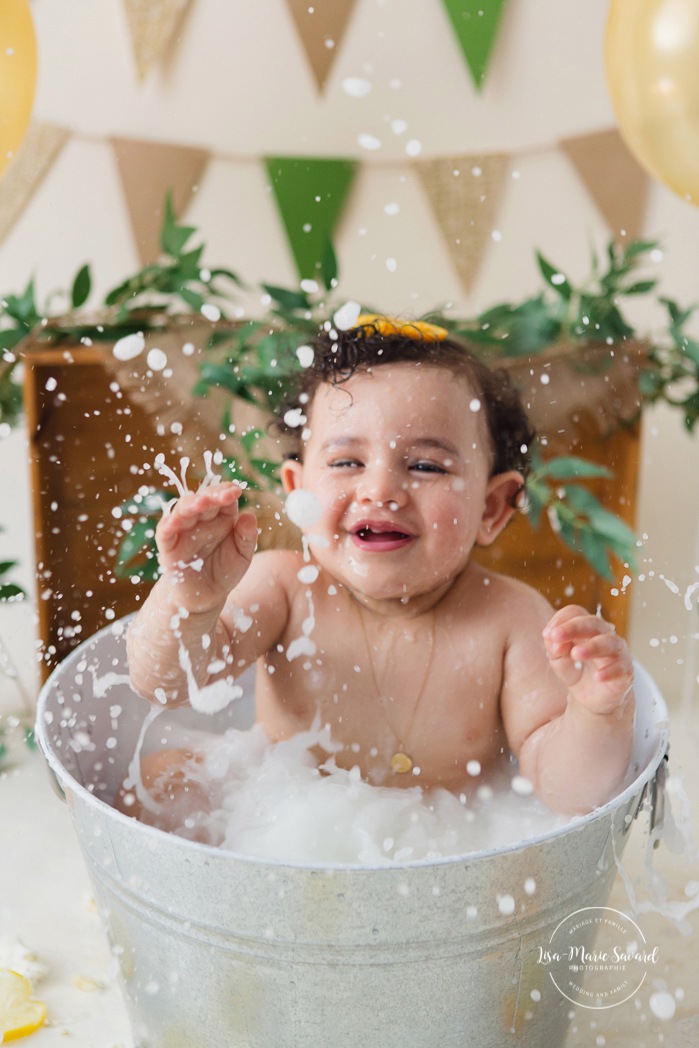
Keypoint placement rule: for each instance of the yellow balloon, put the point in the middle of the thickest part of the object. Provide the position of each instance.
(652, 64)
(18, 65)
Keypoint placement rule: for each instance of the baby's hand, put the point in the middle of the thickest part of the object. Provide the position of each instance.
(205, 547)
(589, 658)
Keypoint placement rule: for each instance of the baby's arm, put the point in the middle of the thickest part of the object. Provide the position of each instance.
(568, 708)
(206, 548)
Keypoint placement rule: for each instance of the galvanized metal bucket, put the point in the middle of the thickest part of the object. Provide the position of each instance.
(219, 950)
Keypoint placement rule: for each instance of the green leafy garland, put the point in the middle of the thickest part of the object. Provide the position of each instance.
(254, 361)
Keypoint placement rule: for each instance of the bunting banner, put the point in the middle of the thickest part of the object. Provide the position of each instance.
(310, 194)
(148, 170)
(464, 191)
(476, 24)
(613, 177)
(35, 156)
(321, 26)
(152, 26)
(465, 194)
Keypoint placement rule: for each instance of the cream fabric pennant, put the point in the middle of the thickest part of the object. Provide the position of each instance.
(465, 193)
(152, 25)
(321, 26)
(613, 177)
(148, 170)
(40, 147)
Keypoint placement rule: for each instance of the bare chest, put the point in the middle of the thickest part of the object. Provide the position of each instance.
(429, 692)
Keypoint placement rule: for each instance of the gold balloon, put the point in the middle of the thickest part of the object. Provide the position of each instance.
(652, 63)
(18, 65)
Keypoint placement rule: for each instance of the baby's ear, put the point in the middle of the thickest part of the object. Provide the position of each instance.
(291, 475)
(499, 506)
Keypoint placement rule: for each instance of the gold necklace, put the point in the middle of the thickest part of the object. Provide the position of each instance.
(400, 762)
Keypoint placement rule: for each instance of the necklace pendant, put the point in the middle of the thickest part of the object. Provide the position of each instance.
(401, 763)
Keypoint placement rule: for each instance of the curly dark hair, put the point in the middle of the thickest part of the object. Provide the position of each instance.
(338, 355)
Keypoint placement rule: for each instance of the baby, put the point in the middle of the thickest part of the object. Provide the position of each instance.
(411, 453)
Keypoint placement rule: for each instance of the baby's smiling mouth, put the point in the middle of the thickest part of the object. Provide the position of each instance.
(380, 536)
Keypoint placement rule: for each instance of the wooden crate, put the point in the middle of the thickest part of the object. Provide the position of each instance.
(541, 559)
(95, 428)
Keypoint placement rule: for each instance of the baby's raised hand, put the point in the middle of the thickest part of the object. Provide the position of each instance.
(589, 658)
(205, 546)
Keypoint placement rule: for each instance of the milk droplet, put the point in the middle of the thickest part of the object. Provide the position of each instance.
(305, 356)
(506, 905)
(662, 1004)
(530, 886)
(473, 768)
(475, 405)
(156, 359)
(307, 574)
(302, 508)
(346, 316)
(521, 786)
(413, 147)
(356, 87)
(294, 417)
(211, 312)
(369, 142)
(129, 346)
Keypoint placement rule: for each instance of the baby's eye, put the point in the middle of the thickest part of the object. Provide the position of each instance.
(345, 463)
(426, 467)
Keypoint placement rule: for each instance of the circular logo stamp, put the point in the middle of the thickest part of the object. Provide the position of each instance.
(597, 957)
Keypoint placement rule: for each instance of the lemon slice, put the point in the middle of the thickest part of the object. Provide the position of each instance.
(19, 1014)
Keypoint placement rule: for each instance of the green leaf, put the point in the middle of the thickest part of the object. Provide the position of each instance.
(553, 276)
(611, 526)
(192, 299)
(82, 286)
(288, 299)
(642, 287)
(10, 591)
(173, 237)
(581, 499)
(595, 553)
(218, 272)
(565, 467)
(639, 247)
(222, 376)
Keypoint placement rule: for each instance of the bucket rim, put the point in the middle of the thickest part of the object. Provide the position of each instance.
(623, 799)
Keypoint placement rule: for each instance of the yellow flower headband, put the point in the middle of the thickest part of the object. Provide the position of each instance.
(417, 329)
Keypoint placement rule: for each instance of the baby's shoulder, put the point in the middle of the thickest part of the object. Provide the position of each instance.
(509, 596)
(281, 565)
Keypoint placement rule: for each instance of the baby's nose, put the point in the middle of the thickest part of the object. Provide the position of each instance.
(382, 486)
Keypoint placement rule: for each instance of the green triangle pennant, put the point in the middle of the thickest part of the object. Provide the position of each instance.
(310, 193)
(476, 24)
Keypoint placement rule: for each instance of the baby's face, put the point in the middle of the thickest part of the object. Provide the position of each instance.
(399, 460)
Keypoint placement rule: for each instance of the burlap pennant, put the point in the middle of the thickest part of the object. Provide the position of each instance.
(310, 194)
(465, 193)
(147, 171)
(42, 144)
(476, 24)
(152, 25)
(613, 177)
(321, 26)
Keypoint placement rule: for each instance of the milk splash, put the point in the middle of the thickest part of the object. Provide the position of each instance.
(275, 801)
(304, 510)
